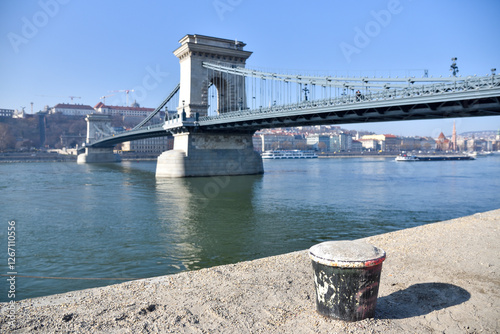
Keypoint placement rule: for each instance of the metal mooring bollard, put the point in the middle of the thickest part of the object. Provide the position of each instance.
(346, 277)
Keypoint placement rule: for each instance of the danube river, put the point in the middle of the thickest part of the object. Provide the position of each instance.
(117, 221)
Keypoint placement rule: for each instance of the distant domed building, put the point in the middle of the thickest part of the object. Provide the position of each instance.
(442, 143)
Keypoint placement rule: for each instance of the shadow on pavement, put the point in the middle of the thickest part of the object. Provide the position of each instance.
(420, 299)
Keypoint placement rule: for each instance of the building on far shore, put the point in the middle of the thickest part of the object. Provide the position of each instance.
(83, 110)
(385, 143)
(278, 141)
(411, 143)
(318, 142)
(6, 112)
(356, 146)
(369, 144)
(341, 142)
(71, 109)
(442, 143)
(135, 110)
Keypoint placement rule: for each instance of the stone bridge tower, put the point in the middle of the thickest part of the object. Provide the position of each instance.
(208, 153)
(195, 79)
(98, 126)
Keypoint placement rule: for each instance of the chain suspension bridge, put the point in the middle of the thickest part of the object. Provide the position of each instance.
(220, 104)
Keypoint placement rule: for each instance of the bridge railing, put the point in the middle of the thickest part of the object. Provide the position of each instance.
(388, 93)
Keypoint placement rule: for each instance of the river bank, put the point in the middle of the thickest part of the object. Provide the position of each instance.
(43, 156)
(440, 277)
(14, 157)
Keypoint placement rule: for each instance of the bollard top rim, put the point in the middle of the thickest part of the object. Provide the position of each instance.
(347, 254)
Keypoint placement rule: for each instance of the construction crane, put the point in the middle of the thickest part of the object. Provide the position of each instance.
(71, 97)
(103, 98)
(121, 91)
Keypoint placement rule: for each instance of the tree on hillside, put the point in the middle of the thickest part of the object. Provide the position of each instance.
(301, 146)
(77, 127)
(7, 139)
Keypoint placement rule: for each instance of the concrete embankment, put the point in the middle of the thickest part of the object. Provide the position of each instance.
(437, 278)
(35, 157)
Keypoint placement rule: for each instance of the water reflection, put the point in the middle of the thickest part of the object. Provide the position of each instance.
(209, 220)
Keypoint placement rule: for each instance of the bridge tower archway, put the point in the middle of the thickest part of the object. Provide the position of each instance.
(195, 80)
(98, 126)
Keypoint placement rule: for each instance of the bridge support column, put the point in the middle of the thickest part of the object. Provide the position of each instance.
(210, 154)
(101, 154)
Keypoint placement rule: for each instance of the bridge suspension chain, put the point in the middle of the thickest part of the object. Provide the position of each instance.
(333, 81)
(158, 109)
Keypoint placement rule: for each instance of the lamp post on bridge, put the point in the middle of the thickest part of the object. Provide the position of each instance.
(305, 92)
(454, 67)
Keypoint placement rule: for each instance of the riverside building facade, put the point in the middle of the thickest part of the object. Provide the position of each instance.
(71, 109)
(135, 110)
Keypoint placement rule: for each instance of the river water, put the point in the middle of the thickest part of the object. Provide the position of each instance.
(118, 221)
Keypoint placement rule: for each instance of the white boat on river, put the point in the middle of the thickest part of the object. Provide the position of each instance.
(289, 154)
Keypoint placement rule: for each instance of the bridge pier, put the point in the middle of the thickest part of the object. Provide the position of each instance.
(98, 154)
(210, 154)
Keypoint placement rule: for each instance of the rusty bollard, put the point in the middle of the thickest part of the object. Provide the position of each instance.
(346, 278)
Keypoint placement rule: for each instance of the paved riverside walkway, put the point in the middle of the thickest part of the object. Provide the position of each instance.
(438, 278)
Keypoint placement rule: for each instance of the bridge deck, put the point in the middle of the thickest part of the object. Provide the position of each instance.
(458, 104)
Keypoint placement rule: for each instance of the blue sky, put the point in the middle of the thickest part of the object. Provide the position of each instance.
(53, 49)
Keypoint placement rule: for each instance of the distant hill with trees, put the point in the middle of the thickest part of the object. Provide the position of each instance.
(48, 131)
(37, 131)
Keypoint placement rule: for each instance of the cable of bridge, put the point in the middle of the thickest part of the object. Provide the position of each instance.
(157, 110)
(326, 80)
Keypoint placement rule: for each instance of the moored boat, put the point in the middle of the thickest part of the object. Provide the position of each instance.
(289, 154)
(406, 157)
